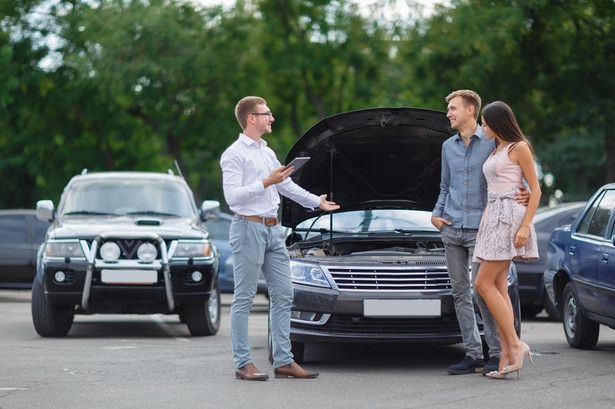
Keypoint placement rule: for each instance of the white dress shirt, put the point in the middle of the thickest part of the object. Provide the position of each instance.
(244, 166)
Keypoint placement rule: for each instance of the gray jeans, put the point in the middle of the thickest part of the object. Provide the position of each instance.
(257, 247)
(459, 246)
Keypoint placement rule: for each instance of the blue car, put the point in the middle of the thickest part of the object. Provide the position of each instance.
(219, 231)
(580, 274)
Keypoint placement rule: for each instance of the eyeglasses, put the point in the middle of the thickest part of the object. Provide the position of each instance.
(269, 114)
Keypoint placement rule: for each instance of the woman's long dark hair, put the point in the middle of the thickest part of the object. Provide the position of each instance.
(500, 118)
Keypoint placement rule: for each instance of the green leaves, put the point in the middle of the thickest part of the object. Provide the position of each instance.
(140, 84)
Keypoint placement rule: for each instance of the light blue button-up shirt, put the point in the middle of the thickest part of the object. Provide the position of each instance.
(463, 188)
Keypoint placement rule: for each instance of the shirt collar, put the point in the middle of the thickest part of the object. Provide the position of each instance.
(479, 133)
(249, 141)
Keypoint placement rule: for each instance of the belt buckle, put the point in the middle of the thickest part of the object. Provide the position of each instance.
(270, 221)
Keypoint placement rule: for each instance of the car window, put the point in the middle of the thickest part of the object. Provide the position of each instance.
(219, 228)
(13, 229)
(128, 197)
(40, 230)
(596, 220)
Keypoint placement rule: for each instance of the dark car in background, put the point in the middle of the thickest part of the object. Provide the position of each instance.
(375, 270)
(531, 281)
(219, 231)
(21, 234)
(580, 274)
(126, 243)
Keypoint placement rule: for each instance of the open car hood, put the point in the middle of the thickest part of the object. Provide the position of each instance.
(372, 158)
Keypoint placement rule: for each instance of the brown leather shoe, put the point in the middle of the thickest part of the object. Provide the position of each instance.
(294, 371)
(250, 373)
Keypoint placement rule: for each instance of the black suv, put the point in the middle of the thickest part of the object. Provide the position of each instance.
(127, 243)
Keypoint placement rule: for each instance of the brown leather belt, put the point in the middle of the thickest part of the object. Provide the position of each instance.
(269, 221)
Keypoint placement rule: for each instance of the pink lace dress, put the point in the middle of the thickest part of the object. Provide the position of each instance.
(503, 215)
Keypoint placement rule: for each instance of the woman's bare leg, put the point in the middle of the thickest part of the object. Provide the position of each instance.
(492, 284)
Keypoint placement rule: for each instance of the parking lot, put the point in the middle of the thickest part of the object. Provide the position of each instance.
(151, 361)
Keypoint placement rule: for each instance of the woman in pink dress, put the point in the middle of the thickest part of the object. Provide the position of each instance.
(506, 231)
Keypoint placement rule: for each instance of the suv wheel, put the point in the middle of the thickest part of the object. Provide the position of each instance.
(204, 319)
(580, 331)
(49, 320)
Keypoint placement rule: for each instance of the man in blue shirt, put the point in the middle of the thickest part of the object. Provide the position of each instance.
(458, 211)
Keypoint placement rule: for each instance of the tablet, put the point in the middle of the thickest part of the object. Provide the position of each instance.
(298, 162)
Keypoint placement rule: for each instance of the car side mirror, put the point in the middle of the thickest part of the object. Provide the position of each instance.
(45, 210)
(210, 210)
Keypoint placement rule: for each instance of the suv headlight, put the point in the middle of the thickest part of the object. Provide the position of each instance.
(66, 248)
(308, 274)
(193, 248)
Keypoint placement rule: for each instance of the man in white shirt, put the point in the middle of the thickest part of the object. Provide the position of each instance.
(252, 180)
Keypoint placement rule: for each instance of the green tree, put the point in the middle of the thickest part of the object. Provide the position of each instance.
(161, 74)
(321, 57)
(550, 60)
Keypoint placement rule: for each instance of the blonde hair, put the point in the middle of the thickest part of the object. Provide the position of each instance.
(469, 97)
(245, 107)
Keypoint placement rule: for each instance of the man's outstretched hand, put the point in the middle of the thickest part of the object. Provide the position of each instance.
(326, 205)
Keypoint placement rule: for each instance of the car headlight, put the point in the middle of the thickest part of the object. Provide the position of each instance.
(110, 252)
(147, 252)
(308, 274)
(193, 248)
(68, 248)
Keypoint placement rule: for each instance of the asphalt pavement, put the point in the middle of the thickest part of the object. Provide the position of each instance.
(151, 361)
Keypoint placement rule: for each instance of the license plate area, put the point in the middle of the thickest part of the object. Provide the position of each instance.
(402, 308)
(125, 277)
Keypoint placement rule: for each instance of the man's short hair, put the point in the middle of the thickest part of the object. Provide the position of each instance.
(245, 107)
(469, 97)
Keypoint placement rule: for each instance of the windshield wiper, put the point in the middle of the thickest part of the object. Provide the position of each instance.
(153, 213)
(88, 213)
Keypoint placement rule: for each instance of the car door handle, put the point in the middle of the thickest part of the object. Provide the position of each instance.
(571, 250)
(605, 258)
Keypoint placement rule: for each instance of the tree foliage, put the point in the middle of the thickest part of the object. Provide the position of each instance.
(135, 84)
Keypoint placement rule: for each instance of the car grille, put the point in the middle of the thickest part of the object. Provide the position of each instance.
(416, 278)
(129, 247)
(356, 325)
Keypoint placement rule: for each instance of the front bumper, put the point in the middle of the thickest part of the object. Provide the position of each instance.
(326, 315)
(85, 288)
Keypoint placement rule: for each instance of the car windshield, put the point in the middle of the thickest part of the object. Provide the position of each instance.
(128, 197)
(371, 221)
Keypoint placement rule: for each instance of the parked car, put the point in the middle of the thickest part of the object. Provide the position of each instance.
(531, 281)
(21, 234)
(128, 243)
(219, 231)
(580, 274)
(375, 270)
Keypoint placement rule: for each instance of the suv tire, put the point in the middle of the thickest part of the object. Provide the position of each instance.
(580, 331)
(204, 319)
(49, 320)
